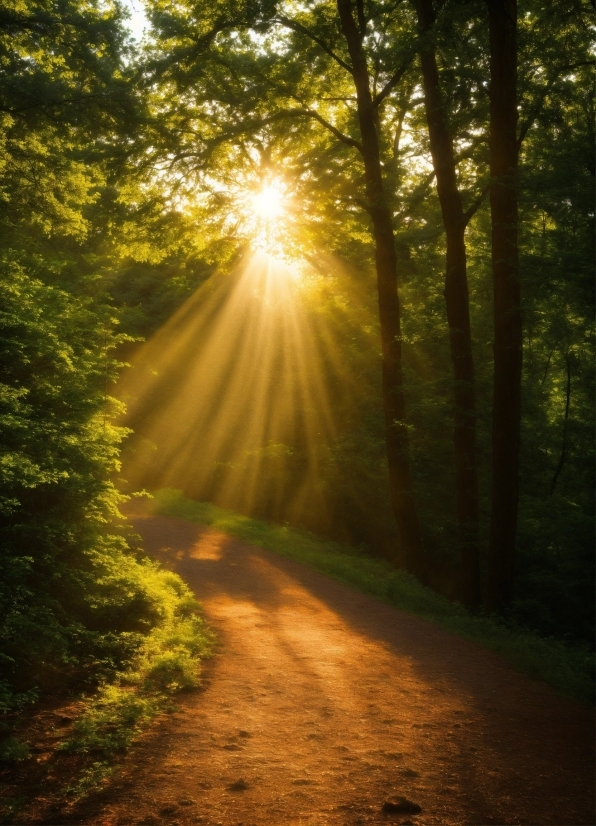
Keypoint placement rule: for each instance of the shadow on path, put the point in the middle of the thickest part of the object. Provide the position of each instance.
(325, 702)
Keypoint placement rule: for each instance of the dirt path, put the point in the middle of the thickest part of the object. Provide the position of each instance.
(323, 703)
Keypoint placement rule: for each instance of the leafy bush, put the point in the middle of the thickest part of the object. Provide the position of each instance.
(167, 662)
(76, 606)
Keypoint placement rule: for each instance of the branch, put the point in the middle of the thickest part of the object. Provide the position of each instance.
(393, 81)
(298, 27)
(535, 111)
(338, 134)
(310, 113)
(406, 101)
(468, 152)
(417, 196)
(159, 67)
(362, 21)
(246, 127)
(48, 104)
(469, 213)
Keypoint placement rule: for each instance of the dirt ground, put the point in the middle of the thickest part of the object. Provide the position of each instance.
(321, 705)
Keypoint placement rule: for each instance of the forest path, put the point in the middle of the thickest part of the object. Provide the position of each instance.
(324, 703)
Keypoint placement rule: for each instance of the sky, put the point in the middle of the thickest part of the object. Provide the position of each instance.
(137, 21)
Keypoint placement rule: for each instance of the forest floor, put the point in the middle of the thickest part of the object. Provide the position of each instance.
(325, 706)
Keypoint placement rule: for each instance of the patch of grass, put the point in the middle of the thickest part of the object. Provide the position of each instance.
(13, 750)
(168, 662)
(10, 806)
(567, 668)
(91, 778)
(110, 721)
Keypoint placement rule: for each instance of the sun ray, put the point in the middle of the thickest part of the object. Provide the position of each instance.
(231, 400)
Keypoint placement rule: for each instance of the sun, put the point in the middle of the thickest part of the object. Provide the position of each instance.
(263, 212)
(268, 203)
(269, 216)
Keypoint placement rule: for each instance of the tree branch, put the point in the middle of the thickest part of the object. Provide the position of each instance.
(469, 150)
(338, 134)
(362, 21)
(393, 81)
(469, 213)
(298, 27)
(535, 110)
(417, 196)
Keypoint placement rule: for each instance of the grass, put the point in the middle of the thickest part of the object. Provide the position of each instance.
(568, 669)
(112, 717)
(168, 662)
(13, 750)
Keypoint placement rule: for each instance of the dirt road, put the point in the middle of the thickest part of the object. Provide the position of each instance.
(323, 704)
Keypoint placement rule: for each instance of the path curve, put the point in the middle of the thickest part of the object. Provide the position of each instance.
(324, 703)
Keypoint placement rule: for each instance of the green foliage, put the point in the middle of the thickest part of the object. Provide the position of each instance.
(77, 606)
(167, 661)
(110, 723)
(147, 294)
(567, 668)
(59, 450)
(91, 778)
(13, 750)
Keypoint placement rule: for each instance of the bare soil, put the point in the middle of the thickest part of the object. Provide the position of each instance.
(323, 706)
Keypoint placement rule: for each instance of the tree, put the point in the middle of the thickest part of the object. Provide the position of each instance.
(241, 95)
(455, 221)
(400, 469)
(503, 147)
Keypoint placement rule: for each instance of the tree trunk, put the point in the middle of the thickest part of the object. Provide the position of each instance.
(400, 470)
(506, 289)
(458, 315)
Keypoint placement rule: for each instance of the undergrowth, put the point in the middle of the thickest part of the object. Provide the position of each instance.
(567, 668)
(167, 662)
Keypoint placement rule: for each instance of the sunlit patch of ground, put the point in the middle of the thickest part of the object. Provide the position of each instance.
(209, 546)
(323, 704)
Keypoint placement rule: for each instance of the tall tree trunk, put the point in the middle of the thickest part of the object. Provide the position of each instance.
(400, 469)
(506, 287)
(458, 314)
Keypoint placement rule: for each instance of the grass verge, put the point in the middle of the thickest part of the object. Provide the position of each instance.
(568, 669)
(167, 662)
(91, 733)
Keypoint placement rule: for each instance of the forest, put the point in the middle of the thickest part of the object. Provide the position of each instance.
(328, 264)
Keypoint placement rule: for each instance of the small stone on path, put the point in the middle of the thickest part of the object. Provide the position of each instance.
(401, 806)
(239, 785)
(168, 810)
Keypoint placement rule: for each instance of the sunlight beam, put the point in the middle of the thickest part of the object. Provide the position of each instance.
(230, 400)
